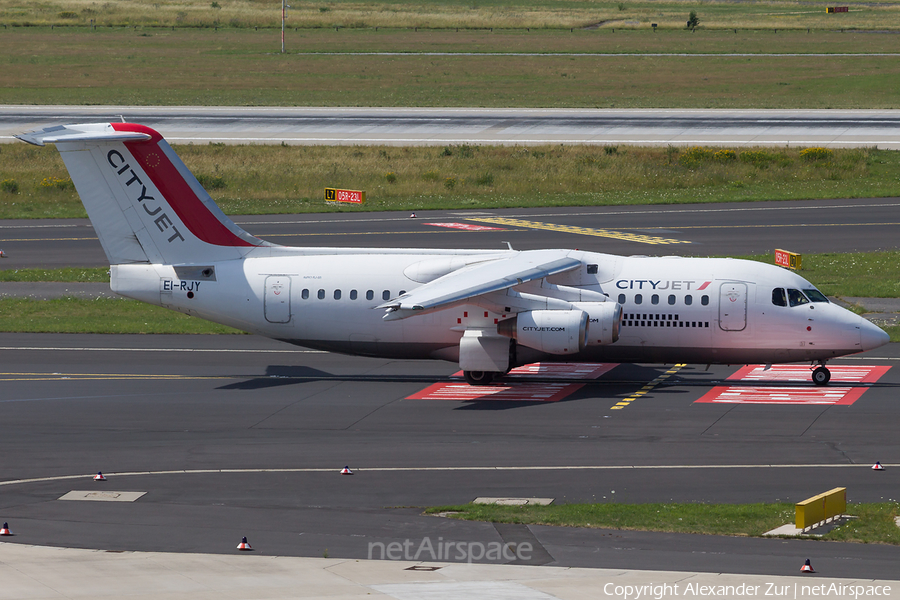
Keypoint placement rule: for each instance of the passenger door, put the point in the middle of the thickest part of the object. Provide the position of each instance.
(277, 299)
(733, 306)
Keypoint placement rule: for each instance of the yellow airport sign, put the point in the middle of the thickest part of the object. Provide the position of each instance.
(349, 196)
(789, 260)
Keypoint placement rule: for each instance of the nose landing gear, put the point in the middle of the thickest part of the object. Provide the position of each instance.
(821, 375)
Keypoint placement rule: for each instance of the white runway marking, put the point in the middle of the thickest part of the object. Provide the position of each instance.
(359, 470)
(438, 140)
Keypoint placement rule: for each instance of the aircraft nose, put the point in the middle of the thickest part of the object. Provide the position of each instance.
(871, 336)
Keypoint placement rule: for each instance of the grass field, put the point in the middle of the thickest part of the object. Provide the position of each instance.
(243, 67)
(291, 179)
(100, 315)
(447, 13)
(875, 522)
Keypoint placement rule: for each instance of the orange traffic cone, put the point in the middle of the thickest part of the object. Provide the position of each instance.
(807, 568)
(99, 476)
(877, 466)
(244, 545)
(346, 471)
(5, 529)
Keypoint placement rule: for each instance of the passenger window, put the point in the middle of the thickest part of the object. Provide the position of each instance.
(654, 299)
(638, 298)
(592, 269)
(778, 297)
(353, 294)
(815, 295)
(796, 297)
(688, 300)
(304, 294)
(386, 294)
(337, 294)
(704, 300)
(320, 294)
(671, 299)
(621, 298)
(401, 292)
(370, 295)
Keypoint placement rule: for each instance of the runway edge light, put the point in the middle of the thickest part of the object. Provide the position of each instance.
(807, 567)
(877, 466)
(99, 476)
(5, 529)
(346, 471)
(244, 545)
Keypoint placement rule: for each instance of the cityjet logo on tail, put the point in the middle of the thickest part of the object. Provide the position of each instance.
(647, 284)
(162, 222)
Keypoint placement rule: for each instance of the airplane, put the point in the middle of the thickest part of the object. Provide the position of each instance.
(168, 244)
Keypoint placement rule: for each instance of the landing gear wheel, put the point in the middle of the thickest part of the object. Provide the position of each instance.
(821, 376)
(479, 377)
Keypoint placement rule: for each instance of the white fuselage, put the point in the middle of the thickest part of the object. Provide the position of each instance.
(674, 309)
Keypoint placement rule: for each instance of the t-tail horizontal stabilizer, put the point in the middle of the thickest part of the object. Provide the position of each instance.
(144, 203)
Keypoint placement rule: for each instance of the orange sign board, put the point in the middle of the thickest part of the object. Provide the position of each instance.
(351, 196)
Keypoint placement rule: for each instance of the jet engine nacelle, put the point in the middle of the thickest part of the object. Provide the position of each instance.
(551, 331)
(604, 319)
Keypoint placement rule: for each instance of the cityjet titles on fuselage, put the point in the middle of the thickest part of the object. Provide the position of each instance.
(649, 284)
(162, 222)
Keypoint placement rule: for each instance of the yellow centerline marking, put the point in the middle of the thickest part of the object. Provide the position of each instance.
(607, 233)
(343, 233)
(644, 390)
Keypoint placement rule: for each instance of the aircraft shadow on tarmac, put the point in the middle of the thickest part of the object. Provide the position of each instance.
(628, 377)
(281, 375)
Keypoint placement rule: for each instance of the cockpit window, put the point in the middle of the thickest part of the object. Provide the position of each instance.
(778, 297)
(815, 295)
(796, 297)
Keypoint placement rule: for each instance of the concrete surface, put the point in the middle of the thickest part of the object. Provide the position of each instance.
(35, 572)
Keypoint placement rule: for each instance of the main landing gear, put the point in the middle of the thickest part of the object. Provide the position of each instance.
(821, 375)
(480, 377)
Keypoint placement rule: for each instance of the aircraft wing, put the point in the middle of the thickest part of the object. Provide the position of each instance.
(479, 279)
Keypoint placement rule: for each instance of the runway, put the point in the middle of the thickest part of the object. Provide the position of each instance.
(443, 126)
(234, 436)
(813, 226)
